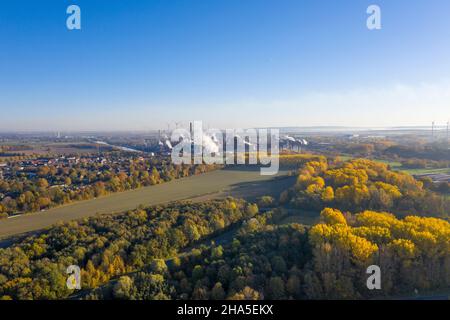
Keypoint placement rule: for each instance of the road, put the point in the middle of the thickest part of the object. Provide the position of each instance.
(216, 184)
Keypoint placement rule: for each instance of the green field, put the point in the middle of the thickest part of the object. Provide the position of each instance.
(426, 171)
(241, 182)
(397, 166)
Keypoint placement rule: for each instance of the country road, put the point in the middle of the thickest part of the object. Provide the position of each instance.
(235, 182)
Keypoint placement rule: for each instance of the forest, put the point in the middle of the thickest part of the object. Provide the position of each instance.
(229, 249)
(362, 184)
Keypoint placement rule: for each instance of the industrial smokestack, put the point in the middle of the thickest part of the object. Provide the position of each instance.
(448, 122)
(432, 130)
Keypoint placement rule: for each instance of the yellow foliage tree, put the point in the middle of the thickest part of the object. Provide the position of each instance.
(332, 216)
(328, 194)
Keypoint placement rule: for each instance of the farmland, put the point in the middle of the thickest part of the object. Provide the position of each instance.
(215, 184)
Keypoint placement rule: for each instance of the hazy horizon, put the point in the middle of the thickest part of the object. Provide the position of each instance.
(299, 129)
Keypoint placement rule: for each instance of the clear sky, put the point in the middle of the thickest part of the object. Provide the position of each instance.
(139, 64)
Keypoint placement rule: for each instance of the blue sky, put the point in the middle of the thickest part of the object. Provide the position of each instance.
(139, 64)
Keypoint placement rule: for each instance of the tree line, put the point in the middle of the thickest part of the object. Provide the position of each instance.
(363, 184)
